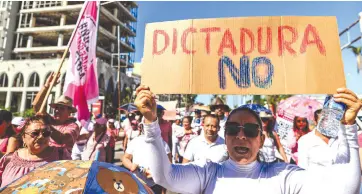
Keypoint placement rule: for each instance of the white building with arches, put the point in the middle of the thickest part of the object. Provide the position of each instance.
(21, 80)
(34, 35)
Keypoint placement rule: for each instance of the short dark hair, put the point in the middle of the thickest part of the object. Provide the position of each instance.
(316, 113)
(188, 118)
(6, 115)
(213, 117)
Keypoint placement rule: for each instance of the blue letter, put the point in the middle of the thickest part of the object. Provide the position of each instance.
(241, 77)
(266, 80)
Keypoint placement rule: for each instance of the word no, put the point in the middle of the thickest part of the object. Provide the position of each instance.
(261, 41)
(242, 77)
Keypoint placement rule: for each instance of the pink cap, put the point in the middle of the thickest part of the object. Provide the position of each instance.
(101, 121)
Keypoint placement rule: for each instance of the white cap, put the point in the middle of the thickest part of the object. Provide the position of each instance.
(17, 121)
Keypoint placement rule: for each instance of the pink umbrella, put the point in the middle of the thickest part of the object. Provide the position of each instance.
(298, 106)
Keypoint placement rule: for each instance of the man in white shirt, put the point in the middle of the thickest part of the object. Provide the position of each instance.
(137, 161)
(209, 146)
(315, 149)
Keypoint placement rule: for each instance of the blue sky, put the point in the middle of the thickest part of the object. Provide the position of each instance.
(346, 13)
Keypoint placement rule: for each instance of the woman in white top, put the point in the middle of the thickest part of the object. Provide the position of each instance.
(271, 141)
(243, 173)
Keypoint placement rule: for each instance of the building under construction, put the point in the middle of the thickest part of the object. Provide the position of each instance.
(34, 35)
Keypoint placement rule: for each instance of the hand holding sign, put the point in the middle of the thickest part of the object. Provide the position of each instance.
(146, 103)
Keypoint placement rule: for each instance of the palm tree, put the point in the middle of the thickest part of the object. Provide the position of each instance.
(357, 51)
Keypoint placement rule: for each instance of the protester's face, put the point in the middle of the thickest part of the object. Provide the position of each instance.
(220, 111)
(186, 123)
(178, 122)
(243, 149)
(61, 113)
(301, 122)
(36, 137)
(134, 126)
(160, 113)
(203, 115)
(99, 128)
(211, 127)
(265, 123)
(111, 125)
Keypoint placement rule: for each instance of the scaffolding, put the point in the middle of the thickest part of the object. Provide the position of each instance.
(347, 31)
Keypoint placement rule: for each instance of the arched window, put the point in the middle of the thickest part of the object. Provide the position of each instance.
(3, 80)
(19, 80)
(34, 80)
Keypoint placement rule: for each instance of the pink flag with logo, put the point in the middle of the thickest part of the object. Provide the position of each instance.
(81, 78)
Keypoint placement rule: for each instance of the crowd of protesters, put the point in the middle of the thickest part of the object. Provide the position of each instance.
(210, 144)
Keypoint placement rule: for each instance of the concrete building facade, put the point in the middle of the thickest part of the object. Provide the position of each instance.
(34, 35)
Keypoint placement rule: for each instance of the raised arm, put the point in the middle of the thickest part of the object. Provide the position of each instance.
(343, 176)
(178, 178)
(39, 98)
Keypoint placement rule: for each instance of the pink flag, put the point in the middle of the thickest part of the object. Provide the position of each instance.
(81, 78)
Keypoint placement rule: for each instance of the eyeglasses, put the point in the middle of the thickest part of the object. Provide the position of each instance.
(44, 132)
(251, 130)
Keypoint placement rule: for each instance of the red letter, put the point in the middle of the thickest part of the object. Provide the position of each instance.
(316, 40)
(184, 38)
(174, 41)
(244, 31)
(268, 43)
(227, 42)
(286, 44)
(167, 42)
(207, 40)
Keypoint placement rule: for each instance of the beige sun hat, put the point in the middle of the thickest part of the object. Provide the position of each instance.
(64, 101)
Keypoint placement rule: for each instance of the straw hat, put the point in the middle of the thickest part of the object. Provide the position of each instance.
(218, 102)
(64, 101)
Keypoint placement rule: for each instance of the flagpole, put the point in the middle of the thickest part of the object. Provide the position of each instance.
(119, 68)
(61, 64)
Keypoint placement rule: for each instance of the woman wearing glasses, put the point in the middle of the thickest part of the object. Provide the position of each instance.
(271, 141)
(36, 151)
(243, 173)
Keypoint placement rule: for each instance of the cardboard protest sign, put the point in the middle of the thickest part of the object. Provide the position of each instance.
(256, 55)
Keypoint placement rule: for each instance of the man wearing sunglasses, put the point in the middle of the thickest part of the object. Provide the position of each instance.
(64, 129)
(209, 145)
(219, 108)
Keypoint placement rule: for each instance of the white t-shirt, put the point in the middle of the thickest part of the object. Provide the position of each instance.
(140, 157)
(199, 149)
(314, 152)
(131, 134)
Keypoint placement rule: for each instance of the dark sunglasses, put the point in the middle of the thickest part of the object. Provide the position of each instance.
(44, 133)
(265, 119)
(251, 130)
